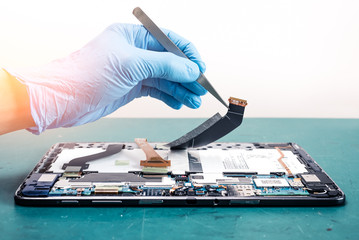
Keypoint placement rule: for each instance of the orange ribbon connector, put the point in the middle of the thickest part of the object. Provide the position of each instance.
(153, 159)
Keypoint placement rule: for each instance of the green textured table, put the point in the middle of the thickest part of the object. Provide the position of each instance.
(333, 143)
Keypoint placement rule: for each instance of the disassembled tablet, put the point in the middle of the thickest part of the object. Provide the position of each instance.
(142, 173)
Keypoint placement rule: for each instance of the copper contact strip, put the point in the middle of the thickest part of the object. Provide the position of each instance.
(290, 174)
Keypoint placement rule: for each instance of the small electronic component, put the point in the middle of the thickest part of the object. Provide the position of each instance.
(271, 182)
(310, 178)
(296, 182)
(238, 180)
(183, 178)
(72, 171)
(47, 178)
(243, 190)
(110, 190)
(39, 184)
(155, 192)
(154, 170)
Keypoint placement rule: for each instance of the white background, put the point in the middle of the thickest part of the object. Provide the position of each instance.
(287, 58)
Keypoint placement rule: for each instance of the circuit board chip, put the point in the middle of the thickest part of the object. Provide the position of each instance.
(271, 182)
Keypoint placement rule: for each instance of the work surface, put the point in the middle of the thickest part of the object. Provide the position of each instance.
(333, 143)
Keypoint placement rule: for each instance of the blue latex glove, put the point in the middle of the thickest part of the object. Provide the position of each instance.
(123, 63)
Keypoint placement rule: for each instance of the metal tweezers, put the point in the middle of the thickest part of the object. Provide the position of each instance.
(171, 47)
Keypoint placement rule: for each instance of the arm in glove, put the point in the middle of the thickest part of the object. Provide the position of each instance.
(123, 63)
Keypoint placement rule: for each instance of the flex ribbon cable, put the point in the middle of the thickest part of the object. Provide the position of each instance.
(214, 128)
(280, 160)
(153, 159)
(81, 162)
(171, 47)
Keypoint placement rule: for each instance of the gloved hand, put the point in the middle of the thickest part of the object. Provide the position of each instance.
(122, 63)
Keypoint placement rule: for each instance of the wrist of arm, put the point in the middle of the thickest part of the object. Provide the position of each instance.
(15, 111)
